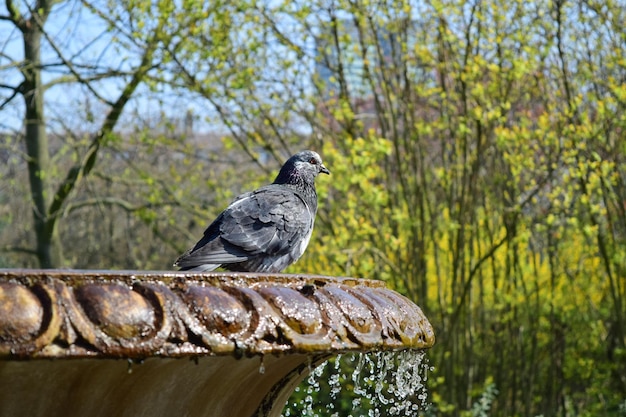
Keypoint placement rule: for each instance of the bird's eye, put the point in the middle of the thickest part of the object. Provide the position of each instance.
(313, 161)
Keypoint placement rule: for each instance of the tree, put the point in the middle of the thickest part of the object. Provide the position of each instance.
(145, 26)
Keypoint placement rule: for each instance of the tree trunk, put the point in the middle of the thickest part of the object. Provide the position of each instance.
(48, 247)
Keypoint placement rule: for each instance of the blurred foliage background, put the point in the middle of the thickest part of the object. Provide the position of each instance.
(477, 150)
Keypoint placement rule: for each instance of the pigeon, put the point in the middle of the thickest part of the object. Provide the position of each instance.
(265, 230)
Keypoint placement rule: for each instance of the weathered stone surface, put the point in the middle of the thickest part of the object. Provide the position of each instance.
(251, 338)
(220, 386)
(217, 309)
(56, 314)
(302, 314)
(116, 309)
(21, 313)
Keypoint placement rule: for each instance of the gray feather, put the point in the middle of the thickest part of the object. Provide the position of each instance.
(264, 230)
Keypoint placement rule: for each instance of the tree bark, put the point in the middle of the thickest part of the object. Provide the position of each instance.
(48, 248)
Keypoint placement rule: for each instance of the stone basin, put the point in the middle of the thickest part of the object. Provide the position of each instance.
(131, 343)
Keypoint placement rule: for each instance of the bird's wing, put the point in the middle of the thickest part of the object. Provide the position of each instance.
(210, 250)
(269, 221)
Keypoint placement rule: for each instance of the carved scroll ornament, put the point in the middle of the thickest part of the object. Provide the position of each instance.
(56, 314)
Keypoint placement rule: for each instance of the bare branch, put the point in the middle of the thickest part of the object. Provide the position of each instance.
(461, 302)
(14, 14)
(16, 91)
(85, 166)
(114, 23)
(87, 80)
(42, 9)
(279, 34)
(118, 202)
(195, 85)
(70, 66)
(19, 249)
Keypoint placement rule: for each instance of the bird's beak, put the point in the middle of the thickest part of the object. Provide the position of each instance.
(324, 169)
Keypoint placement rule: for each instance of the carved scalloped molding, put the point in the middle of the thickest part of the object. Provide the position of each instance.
(56, 313)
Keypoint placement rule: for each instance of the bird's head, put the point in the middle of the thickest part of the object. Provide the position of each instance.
(304, 164)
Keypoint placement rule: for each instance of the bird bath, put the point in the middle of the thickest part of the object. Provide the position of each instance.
(130, 343)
